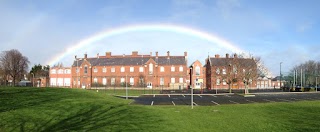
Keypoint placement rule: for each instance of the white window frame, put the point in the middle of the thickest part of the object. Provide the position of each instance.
(173, 68)
(198, 71)
(162, 81)
(181, 69)
(141, 69)
(113, 69)
(131, 69)
(224, 82)
(122, 80)
(95, 80)
(224, 71)
(150, 68)
(180, 80)
(113, 81)
(173, 80)
(131, 81)
(104, 69)
(161, 69)
(104, 81)
(53, 71)
(122, 69)
(218, 81)
(95, 69)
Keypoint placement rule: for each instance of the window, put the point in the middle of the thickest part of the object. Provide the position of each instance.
(131, 69)
(243, 70)
(104, 69)
(122, 69)
(113, 69)
(69, 71)
(113, 81)
(224, 71)
(173, 80)
(85, 70)
(180, 80)
(181, 69)
(131, 81)
(218, 81)
(172, 69)
(161, 81)
(95, 69)
(122, 80)
(218, 71)
(197, 70)
(53, 71)
(141, 69)
(95, 80)
(77, 70)
(161, 69)
(235, 70)
(60, 71)
(224, 82)
(104, 81)
(150, 68)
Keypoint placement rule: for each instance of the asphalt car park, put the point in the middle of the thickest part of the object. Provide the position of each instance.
(222, 99)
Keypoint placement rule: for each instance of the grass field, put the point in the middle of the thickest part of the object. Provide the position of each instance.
(55, 109)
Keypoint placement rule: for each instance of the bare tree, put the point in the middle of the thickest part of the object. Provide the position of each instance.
(14, 64)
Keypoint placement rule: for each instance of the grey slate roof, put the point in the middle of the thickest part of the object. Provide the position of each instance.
(174, 60)
(227, 61)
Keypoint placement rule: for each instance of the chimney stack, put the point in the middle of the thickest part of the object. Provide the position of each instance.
(168, 53)
(150, 53)
(185, 53)
(227, 55)
(217, 56)
(134, 53)
(85, 55)
(108, 54)
(157, 54)
(97, 55)
(235, 56)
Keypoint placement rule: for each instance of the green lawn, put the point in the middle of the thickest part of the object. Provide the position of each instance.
(55, 109)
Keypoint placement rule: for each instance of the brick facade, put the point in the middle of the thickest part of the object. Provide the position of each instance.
(135, 70)
(60, 76)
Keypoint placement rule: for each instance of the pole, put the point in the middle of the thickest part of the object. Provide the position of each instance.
(126, 88)
(294, 78)
(280, 74)
(301, 78)
(316, 84)
(32, 79)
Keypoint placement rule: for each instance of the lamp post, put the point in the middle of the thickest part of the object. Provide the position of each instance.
(316, 83)
(191, 87)
(32, 79)
(126, 88)
(280, 74)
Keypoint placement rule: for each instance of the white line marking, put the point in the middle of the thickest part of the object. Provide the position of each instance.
(183, 96)
(173, 103)
(154, 95)
(296, 99)
(195, 103)
(200, 96)
(215, 103)
(233, 102)
(268, 100)
(151, 103)
(228, 96)
(169, 95)
(250, 101)
(214, 96)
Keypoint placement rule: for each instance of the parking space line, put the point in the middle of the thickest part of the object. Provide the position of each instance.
(183, 96)
(214, 96)
(169, 95)
(200, 96)
(195, 103)
(227, 95)
(233, 102)
(215, 103)
(154, 95)
(151, 103)
(250, 101)
(268, 100)
(173, 103)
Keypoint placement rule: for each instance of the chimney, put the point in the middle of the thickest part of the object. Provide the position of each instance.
(157, 54)
(227, 55)
(85, 55)
(108, 54)
(150, 53)
(235, 56)
(185, 53)
(217, 56)
(168, 53)
(134, 53)
(97, 55)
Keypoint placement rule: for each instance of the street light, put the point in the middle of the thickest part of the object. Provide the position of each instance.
(280, 74)
(317, 83)
(191, 87)
(32, 79)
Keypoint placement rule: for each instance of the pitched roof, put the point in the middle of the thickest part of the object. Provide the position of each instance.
(227, 61)
(174, 60)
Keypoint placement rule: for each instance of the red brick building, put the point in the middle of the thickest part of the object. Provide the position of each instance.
(135, 70)
(222, 71)
(60, 76)
(198, 76)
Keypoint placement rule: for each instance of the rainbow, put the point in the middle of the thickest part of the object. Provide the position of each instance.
(145, 27)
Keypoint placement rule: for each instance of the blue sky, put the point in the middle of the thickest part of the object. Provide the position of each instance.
(277, 31)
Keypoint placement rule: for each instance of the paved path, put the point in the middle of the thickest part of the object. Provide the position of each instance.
(222, 99)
